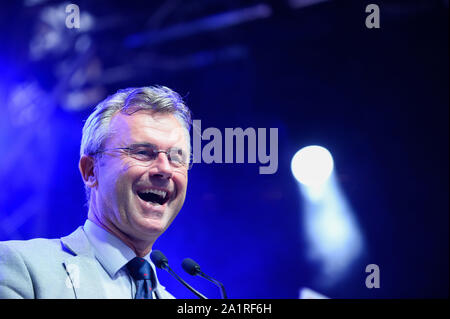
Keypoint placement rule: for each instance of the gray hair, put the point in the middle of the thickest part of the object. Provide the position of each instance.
(160, 99)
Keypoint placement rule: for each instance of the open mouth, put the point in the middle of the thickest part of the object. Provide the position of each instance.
(154, 196)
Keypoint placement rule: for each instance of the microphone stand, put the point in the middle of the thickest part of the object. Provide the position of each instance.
(195, 292)
(217, 283)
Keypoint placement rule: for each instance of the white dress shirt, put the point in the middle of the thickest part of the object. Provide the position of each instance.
(113, 255)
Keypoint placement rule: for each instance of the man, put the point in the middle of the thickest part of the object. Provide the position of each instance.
(134, 161)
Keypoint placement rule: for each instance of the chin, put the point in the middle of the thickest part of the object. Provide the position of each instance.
(153, 226)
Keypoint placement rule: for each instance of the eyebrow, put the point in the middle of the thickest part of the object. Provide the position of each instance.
(143, 144)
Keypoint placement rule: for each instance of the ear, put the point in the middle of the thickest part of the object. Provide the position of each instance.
(86, 166)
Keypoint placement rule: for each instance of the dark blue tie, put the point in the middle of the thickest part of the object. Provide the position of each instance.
(142, 273)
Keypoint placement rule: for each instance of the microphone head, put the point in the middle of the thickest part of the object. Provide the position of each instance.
(190, 266)
(159, 259)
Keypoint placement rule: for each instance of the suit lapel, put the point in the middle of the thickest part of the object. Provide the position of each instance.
(82, 268)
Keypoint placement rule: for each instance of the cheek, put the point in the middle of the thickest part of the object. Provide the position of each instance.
(181, 180)
(117, 180)
(125, 178)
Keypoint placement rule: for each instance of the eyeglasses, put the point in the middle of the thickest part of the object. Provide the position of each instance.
(147, 153)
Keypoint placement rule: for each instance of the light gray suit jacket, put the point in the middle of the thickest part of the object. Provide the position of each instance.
(45, 268)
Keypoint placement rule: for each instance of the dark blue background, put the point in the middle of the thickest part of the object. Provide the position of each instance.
(376, 98)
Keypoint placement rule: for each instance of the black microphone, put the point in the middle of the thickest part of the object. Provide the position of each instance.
(161, 262)
(192, 268)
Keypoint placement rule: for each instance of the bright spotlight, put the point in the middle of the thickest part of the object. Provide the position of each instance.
(312, 165)
(330, 228)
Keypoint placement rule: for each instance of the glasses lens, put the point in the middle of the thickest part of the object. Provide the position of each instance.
(147, 154)
(177, 157)
(143, 153)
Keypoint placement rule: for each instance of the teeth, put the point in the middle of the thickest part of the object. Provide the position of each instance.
(156, 191)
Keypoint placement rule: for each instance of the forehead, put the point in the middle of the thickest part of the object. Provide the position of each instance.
(146, 126)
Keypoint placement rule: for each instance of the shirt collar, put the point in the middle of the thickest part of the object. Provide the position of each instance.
(110, 251)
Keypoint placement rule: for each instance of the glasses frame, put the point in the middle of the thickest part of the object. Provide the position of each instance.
(187, 165)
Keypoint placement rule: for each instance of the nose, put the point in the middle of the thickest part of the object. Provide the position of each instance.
(162, 167)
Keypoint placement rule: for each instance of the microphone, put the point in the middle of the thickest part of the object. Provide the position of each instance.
(161, 262)
(192, 268)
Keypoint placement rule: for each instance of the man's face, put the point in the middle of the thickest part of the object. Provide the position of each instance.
(125, 194)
